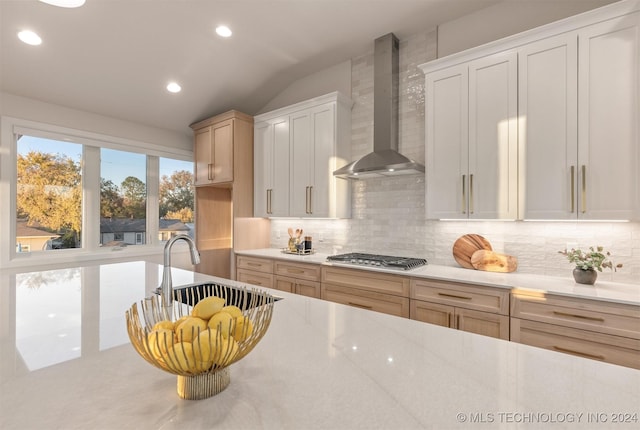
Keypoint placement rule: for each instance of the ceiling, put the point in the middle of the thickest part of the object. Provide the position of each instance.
(115, 57)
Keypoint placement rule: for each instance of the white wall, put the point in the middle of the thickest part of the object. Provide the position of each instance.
(35, 110)
(504, 19)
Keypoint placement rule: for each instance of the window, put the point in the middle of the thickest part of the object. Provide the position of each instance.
(48, 194)
(67, 189)
(176, 198)
(123, 197)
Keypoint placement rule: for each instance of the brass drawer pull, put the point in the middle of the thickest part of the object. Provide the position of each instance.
(584, 317)
(464, 194)
(295, 271)
(573, 189)
(254, 264)
(578, 353)
(253, 281)
(453, 296)
(359, 306)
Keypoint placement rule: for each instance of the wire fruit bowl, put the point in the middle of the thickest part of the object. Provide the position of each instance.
(207, 328)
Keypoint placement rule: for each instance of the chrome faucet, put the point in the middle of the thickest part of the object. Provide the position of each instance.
(166, 287)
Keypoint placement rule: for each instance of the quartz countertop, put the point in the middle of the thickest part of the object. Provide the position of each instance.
(603, 290)
(66, 362)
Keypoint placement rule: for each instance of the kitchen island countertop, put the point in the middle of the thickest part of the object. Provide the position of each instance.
(616, 292)
(66, 363)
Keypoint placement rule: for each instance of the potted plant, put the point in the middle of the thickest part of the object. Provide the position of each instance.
(587, 262)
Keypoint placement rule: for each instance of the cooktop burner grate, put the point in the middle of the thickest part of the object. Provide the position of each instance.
(375, 260)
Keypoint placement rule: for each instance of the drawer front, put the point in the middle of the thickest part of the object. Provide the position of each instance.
(385, 303)
(255, 278)
(366, 280)
(432, 313)
(310, 272)
(256, 264)
(485, 299)
(595, 346)
(284, 284)
(609, 318)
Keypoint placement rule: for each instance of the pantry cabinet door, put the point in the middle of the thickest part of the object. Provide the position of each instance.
(609, 151)
(493, 140)
(548, 141)
(447, 143)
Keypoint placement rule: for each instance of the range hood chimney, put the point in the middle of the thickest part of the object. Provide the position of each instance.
(385, 160)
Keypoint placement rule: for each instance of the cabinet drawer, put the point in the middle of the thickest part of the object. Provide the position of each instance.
(367, 280)
(385, 303)
(610, 318)
(255, 278)
(310, 272)
(485, 299)
(256, 264)
(596, 346)
(308, 288)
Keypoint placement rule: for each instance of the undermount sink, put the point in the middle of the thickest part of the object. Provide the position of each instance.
(244, 298)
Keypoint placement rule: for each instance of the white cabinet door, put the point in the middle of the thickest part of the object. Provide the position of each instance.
(609, 151)
(492, 179)
(271, 168)
(548, 141)
(324, 195)
(447, 142)
(301, 162)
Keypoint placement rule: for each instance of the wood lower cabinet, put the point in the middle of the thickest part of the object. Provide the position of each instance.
(365, 289)
(592, 329)
(297, 278)
(476, 309)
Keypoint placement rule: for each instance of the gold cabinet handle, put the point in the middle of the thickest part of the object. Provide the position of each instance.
(254, 282)
(573, 189)
(310, 196)
(295, 271)
(457, 321)
(579, 353)
(464, 194)
(359, 305)
(584, 189)
(450, 320)
(306, 200)
(269, 201)
(471, 193)
(584, 317)
(209, 176)
(453, 296)
(254, 264)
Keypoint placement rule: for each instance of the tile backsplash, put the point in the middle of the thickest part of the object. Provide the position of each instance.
(388, 214)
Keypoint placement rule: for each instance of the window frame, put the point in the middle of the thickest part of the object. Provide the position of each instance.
(91, 144)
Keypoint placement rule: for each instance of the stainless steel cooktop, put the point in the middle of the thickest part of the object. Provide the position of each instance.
(375, 260)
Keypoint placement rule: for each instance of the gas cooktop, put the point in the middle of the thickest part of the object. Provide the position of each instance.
(375, 260)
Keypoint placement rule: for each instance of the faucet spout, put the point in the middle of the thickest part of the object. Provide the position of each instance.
(166, 287)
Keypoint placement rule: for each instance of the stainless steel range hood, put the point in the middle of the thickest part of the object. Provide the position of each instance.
(385, 160)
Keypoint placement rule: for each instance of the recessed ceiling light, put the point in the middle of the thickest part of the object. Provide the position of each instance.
(173, 87)
(64, 3)
(29, 37)
(223, 31)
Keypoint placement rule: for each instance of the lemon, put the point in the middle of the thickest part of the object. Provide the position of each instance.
(204, 345)
(225, 351)
(221, 321)
(234, 311)
(180, 357)
(160, 341)
(165, 324)
(190, 328)
(242, 329)
(205, 308)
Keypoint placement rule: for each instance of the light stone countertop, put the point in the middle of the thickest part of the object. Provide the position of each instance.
(603, 290)
(66, 363)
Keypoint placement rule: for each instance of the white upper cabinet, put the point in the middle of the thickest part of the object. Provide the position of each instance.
(298, 148)
(548, 132)
(608, 98)
(550, 117)
(271, 167)
(471, 140)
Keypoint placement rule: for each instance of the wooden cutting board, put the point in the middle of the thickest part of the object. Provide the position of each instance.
(466, 245)
(491, 261)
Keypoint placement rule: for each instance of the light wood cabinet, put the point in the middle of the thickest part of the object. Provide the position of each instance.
(476, 309)
(224, 191)
(214, 153)
(365, 289)
(593, 329)
(297, 148)
(298, 278)
(471, 139)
